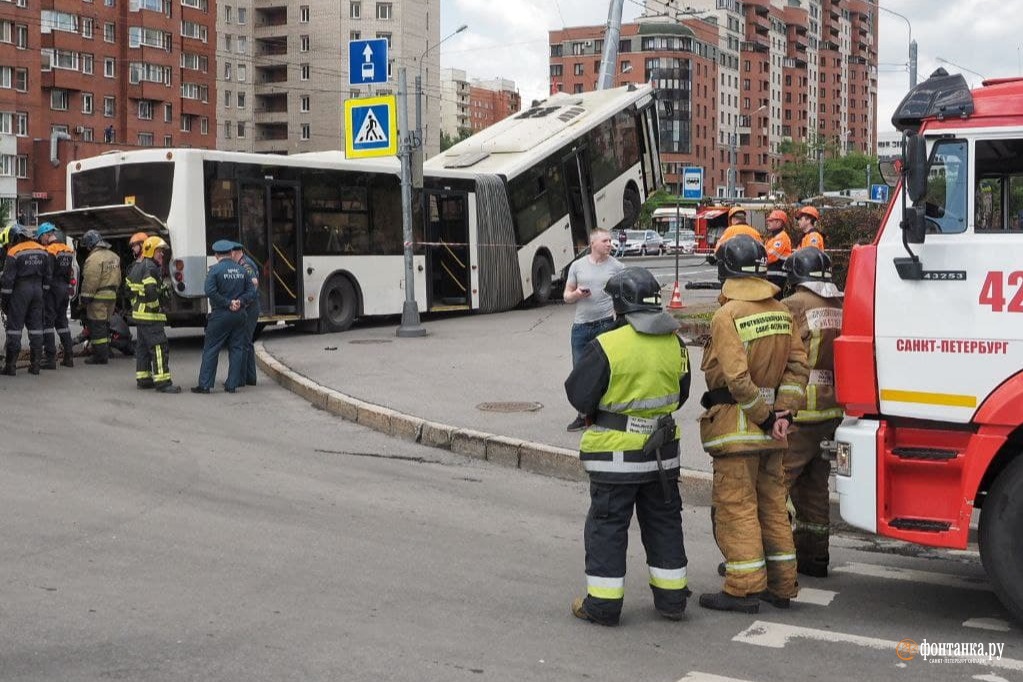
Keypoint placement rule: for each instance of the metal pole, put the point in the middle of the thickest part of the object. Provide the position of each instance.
(610, 55)
(678, 232)
(820, 168)
(733, 143)
(410, 325)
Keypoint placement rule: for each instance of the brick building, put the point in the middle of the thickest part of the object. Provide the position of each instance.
(80, 78)
(740, 78)
(470, 106)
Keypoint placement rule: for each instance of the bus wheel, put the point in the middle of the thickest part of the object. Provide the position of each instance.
(339, 305)
(542, 276)
(1001, 537)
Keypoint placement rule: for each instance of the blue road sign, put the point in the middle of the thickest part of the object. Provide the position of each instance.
(367, 61)
(370, 127)
(879, 193)
(692, 183)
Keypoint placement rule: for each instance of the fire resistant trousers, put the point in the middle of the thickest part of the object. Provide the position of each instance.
(806, 476)
(25, 311)
(152, 355)
(55, 306)
(97, 319)
(607, 538)
(751, 524)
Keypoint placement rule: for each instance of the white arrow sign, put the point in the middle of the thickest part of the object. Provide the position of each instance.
(368, 53)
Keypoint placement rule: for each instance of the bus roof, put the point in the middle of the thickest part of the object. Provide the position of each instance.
(517, 142)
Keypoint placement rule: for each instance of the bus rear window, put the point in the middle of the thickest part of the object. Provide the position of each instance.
(147, 185)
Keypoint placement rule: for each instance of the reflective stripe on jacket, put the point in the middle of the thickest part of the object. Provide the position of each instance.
(819, 322)
(146, 292)
(644, 382)
(101, 275)
(753, 346)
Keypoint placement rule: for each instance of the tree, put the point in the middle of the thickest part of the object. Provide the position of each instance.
(661, 196)
(799, 177)
(447, 141)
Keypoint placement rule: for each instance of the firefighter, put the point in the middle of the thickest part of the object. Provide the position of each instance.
(816, 307)
(756, 373)
(55, 302)
(778, 245)
(149, 296)
(628, 382)
(101, 277)
(737, 225)
(806, 219)
(135, 244)
(26, 277)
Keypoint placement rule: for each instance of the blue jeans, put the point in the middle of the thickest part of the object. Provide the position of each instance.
(584, 332)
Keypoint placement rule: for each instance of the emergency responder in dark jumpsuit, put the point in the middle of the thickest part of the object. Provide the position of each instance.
(756, 373)
(55, 302)
(26, 276)
(101, 278)
(149, 295)
(627, 383)
(251, 314)
(229, 289)
(816, 307)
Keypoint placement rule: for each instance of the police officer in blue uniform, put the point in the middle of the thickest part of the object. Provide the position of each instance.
(251, 314)
(229, 289)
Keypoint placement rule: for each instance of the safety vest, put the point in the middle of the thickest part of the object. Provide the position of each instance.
(644, 385)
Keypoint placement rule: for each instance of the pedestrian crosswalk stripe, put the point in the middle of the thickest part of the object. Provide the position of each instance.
(707, 677)
(913, 575)
(808, 595)
(996, 624)
(371, 130)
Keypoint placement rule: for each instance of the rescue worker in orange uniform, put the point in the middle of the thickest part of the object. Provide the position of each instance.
(756, 373)
(816, 307)
(25, 280)
(628, 383)
(778, 245)
(807, 219)
(56, 300)
(737, 225)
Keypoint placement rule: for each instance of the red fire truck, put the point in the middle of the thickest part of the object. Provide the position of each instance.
(929, 366)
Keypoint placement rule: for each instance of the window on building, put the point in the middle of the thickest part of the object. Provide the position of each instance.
(385, 36)
(186, 123)
(145, 139)
(384, 10)
(241, 100)
(228, 126)
(145, 110)
(306, 70)
(355, 35)
(109, 105)
(204, 125)
(168, 112)
(58, 99)
(87, 134)
(355, 9)
(306, 131)
(20, 124)
(21, 36)
(243, 45)
(577, 69)
(303, 43)
(227, 71)
(303, 103)
(228, 99)
(242, 73)
(228, 42)
(240, 129)
(109, 32)
(87, 65)
(87, 103)
(303, 14)
(88, 24)
(109, 67)
(243, 15)
(228, 12)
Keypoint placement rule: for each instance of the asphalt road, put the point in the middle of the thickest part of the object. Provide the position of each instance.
(252, 537)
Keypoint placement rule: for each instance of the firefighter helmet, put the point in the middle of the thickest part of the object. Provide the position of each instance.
(90, 239)
(46, 228)
(151, 245)
(741, 256)
(808, 264)
(634, 290)
(810, 212)
(10, 236)
(138, 238)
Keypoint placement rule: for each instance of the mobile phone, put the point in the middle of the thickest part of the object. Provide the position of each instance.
(585, 290)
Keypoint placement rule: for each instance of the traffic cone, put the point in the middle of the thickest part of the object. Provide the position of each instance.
(676, 299)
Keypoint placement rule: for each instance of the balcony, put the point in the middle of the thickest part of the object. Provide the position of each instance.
(64, 79)
(276, 46)
(268, 75)
(271, 132)
(151, 90)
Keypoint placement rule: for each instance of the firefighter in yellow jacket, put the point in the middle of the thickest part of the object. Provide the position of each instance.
(101, 278)
(627, 383)
(816, 307)
(756, 374)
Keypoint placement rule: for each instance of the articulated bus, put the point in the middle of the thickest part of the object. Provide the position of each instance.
(327, 231)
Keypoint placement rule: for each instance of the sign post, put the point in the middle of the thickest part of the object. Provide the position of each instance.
(410, 325)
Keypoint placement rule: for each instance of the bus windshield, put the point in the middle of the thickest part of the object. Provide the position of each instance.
(147, 185)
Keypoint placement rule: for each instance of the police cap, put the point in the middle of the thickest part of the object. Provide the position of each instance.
(223, 246)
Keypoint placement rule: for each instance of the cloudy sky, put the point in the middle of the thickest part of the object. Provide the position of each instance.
(508, 38)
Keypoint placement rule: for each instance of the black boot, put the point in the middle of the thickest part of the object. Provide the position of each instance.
(68, 350)
(49, 361)
(69, 359)
(722, 601)
(10, 366)
(34, 360)
(100, 355)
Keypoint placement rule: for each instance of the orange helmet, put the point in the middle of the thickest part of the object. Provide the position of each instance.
(809, 211)
(138, 238)
(778, 215)
(736, 209)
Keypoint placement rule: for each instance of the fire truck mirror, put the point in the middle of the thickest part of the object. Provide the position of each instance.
(916, 166)
(914, 223)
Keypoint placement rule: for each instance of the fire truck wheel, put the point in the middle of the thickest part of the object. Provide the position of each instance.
(1001, 537)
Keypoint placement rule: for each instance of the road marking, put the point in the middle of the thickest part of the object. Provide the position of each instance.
(808, 595)
(707, 677)
(913, 575)
(996, 624)
(777, 635)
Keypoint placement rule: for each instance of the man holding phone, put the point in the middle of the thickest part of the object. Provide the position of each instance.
(584, 286)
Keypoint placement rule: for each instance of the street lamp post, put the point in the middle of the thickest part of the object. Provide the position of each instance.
(421, 143)
(733, 152)
(912, 46)
(961, 67)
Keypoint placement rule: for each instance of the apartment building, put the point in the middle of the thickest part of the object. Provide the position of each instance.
(454, 103)
(491, 101)
(282, 71)
(740, 78)
(80, 77)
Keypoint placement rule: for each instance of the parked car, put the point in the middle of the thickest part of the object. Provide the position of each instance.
(641, 242)
(686, 241)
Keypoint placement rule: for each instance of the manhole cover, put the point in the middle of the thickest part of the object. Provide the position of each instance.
(509, 407)
(365, 341)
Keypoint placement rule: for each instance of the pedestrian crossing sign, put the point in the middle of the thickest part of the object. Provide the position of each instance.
(371, 127)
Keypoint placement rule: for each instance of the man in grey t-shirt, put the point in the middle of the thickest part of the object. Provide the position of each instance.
(584, 286)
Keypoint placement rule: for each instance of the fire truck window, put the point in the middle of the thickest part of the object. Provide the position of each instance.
(998, 200)
(946, 199)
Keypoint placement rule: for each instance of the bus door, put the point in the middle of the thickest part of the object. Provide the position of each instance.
(652, 175)
(447, 250)
(579, 187)
(269, 217)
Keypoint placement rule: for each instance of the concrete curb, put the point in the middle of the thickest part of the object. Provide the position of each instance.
(536, 458)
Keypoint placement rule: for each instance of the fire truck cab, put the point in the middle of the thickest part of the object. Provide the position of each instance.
(929, 366)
